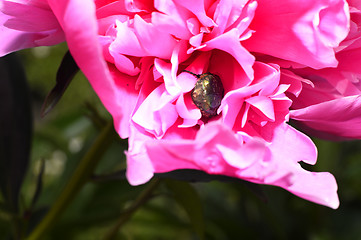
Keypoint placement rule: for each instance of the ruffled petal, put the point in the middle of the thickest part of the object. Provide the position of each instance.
(229, 42)
(156, 113)
(217, 150)
(290, 146)
(305, 33)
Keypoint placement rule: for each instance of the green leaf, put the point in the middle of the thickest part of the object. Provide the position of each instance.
(15, 128)
(39, 185)
(66, 72)
(77, 180)
(188, 198)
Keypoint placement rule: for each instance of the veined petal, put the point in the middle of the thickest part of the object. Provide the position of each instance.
(24, 26)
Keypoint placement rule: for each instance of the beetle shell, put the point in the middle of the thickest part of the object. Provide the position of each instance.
(207, 94)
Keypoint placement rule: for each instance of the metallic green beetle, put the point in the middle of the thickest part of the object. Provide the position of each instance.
(208, 93)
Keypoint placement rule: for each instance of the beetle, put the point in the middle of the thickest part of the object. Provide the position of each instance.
(207, 93)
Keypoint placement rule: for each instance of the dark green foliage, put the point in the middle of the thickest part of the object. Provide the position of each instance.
(15, 129)
(66, 72)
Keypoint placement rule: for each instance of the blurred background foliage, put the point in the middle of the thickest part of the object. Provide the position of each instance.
(175, 210)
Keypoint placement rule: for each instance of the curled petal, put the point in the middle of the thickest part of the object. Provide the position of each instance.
(128, 46)
(171, 18)
(197, 8)
(156, 113)
(188, 111)
(340, 117)
(263, 104)
(229, 42)
(155, 42)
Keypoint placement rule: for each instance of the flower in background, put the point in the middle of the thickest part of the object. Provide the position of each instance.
(25, 24)
(135, 53)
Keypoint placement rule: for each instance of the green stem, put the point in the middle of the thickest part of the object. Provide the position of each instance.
(127, 214)
(81, 175)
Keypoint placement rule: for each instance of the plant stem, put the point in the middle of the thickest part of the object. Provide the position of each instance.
(81, 175)
(143, 197)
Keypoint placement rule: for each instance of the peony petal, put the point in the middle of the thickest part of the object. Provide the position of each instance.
(125, 89)
(28, 18)
(265, 83)
(156, 113)
(124, 64)
(129, 45)
(200, 152)
(217, 150)
(263, 104)
(139, 167)
(222, 14)
(188, 111)
(197, 8)
(293, 146)
(294, 81)
(154, 42)
(24, 29)
(318, 187)
(164, 160)
(339, 117)
(229, 42)
(241, 156)
(234, 14)
(245, 19)
(290, 145)
(171, 18)
(170, 81)
(81, 33)
(317, 28)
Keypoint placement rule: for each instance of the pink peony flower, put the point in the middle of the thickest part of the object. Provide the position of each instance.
(134, 54)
